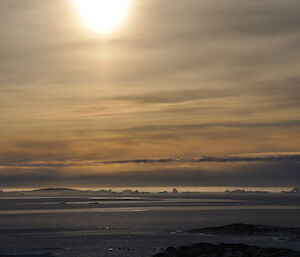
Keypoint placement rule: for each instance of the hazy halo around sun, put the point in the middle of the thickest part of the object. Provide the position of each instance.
(103, 15)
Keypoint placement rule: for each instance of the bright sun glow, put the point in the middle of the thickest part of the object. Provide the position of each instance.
(103, 15)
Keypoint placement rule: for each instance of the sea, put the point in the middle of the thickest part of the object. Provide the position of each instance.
(88, 223)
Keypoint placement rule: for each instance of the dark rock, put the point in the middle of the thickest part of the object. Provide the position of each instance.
(226, 250)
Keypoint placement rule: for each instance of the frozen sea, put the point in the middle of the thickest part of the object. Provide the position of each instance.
(81, 224)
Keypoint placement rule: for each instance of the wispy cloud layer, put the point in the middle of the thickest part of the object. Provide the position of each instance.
(179, 79)
(241, 158)
(276, 173)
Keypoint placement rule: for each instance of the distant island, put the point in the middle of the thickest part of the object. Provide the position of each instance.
(174, 191)
(242, 191)
(56, 189)
(131, 192)
(72, 190)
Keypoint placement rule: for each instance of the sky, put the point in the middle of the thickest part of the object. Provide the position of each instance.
(180, 93)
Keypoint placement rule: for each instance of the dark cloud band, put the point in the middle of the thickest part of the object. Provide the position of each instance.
(283, 157)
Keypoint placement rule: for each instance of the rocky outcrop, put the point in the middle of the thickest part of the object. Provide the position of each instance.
(226, 250)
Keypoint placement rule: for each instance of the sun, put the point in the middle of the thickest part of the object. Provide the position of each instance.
(103, 15)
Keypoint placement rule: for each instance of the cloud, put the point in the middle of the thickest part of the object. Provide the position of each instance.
(230, 159)
(262, 157)
(277, 173)
(181, 96)
(181, 78)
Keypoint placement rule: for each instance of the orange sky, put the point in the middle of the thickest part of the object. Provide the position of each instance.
(182, 79)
